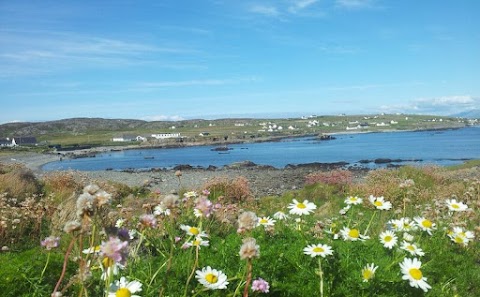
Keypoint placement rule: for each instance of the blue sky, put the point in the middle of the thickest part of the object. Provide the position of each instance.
(170, 60)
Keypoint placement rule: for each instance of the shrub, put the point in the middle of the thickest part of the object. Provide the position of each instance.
(234, 190)
(18, 181)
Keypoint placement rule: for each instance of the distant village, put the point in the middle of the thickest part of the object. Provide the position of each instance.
(238, 129)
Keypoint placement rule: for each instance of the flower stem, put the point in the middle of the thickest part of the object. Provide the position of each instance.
(321, 276)
(370, 223)
(249, 277)
(65, 262)
(193, 271)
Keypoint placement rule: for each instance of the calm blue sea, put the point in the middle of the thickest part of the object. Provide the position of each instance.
(444, 147)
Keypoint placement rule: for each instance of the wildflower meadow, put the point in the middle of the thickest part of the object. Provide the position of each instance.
(398, 232)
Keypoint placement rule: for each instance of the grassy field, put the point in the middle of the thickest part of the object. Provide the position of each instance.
(81, 132)
(400, 232)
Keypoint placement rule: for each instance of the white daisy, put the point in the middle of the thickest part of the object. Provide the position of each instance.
(353, 200)
(266, 221)
(301, 208)
(122, 288)
(352, 234)
(425, 224)
(411, 272)
(344, 210)
(380, 203)
(314, 250)
(119, 223)
(412, 249)
(109, 268)
(197, 213)
(191, 194)
(280, 215)
(161, 210)
(211, 278)
(453, 205)
(92, 250)
(408, 237)
(193, 231)
(388, 239)
(459, 236)
(368, 272)
(197, 241)
(403, 224)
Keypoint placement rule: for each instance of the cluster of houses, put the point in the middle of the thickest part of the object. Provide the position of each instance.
(140, 138)
(18, 141)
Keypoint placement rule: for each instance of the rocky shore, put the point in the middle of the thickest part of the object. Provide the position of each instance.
(263, 180)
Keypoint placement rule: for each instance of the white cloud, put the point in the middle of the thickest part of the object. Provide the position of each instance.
(300, 4)
(354, 4)
(37, 52)
(162, 117)
(189, 83)
(445, 105)
(267, 10)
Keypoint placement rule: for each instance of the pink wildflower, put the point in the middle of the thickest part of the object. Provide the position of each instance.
(260, 285)
(50, 242)
(204, 206)
(148, 220)
(115, 249)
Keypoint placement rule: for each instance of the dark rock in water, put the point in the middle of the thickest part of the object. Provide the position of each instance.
(327, 137)
(183, 167)
(221, 149)
(386, 161)
(382, 161)
(317, 165)
(365, 161)
(393, 166)
(211, 168)
(243, 164)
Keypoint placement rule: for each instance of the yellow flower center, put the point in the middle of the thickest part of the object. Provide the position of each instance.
(107, 262)
(458, 239)
(456, 206)
(318, 249)
(427, 223)
(410, 247)
(194, 230)
(123, 292)
(263, 221)
(367, 274)
(415, 273)
(388, 238)
(301, 205)
(196, 242)
(378, 203)
(211, 278)
(354, 233)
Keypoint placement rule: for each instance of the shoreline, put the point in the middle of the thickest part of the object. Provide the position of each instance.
(35, 161)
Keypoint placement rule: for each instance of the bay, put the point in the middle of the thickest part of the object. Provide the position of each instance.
(441, 147)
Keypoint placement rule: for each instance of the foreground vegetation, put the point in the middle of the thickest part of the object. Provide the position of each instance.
(400, 232)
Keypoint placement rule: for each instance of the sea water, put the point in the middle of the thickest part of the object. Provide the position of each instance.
(440, 147)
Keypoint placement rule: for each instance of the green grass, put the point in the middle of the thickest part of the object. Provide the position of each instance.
(465, 165)
(158, 260)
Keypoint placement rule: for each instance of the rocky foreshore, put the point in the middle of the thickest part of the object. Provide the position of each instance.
(263, 180)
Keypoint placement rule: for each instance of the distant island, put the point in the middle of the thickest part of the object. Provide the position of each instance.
(82, 133)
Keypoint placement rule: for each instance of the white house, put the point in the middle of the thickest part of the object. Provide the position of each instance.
(166, 135)
(124, 138)
(5, 142)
